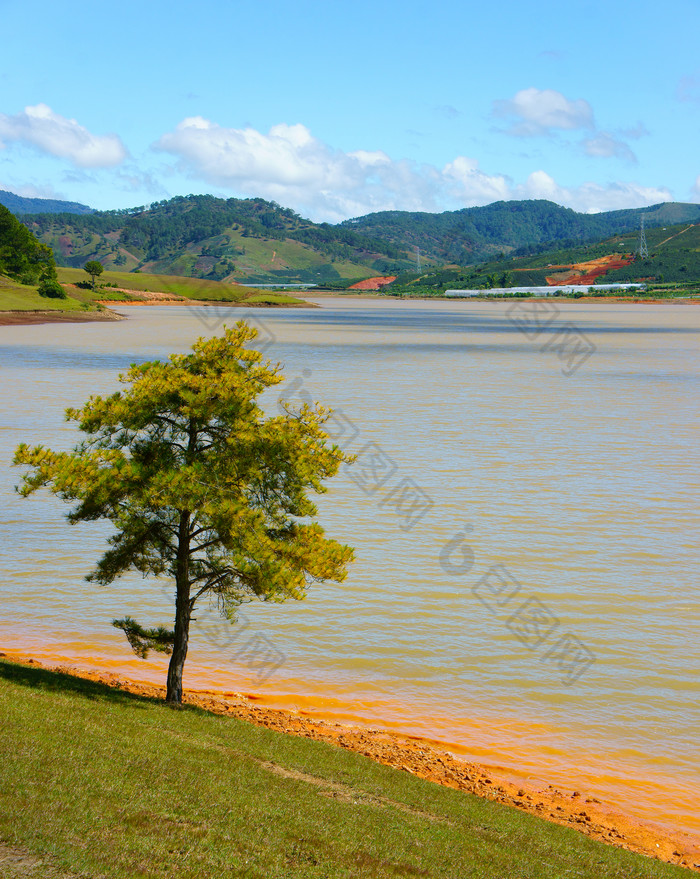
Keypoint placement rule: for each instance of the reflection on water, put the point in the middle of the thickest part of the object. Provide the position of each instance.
(579, 490)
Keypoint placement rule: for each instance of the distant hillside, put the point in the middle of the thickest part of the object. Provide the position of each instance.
(256, 241)
(472, 235)
(20, 205)
(674, 259)
(245, 240)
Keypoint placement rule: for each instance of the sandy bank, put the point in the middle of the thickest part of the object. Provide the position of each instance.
(419, 757)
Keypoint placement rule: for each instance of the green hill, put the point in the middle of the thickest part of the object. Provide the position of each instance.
(255, 241)
(674, 260)
(246, 240)
(29, 280)
(473, 235)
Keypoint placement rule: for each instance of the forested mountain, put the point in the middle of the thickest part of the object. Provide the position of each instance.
(256, 241)
(20, 205)
(673, 259)
(204, 236)
(472, 235)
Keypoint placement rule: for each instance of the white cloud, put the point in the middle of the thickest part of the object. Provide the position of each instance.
(291, 166)
(591, 197)
(470, 186)
(27, 190)
(65, 138)
(534, 112)
(606, 145)
(695, 192)
(544, 112)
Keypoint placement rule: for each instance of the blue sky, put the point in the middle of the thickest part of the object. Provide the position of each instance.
(340, 109)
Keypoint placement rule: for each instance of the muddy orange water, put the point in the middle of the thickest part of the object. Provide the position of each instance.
(524, 517)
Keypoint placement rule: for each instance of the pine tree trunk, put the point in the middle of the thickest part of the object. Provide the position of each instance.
(183, 612)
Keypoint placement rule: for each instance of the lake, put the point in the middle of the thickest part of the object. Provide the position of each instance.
(524, 515)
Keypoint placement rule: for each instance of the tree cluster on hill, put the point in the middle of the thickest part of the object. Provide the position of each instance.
(472, 235)
(22, 257)
(165, 228)
(204, 236)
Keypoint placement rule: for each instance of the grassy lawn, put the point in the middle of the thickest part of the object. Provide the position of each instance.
(18, 297)
(190, 288)
(106, 783)
(272, 299)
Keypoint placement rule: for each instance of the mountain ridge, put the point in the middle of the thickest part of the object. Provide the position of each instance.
(19, 204)
(471, 235)
(254, 240)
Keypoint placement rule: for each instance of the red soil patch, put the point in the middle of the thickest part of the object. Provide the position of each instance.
(421, 758)
(588, 272)
(373, 283)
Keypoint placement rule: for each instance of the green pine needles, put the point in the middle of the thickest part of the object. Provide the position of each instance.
(200, 486)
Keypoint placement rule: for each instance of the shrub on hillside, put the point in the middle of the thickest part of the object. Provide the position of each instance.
(51, 289)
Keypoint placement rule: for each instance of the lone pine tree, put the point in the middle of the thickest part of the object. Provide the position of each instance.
(201, 487)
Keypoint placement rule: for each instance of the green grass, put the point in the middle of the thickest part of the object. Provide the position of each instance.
(190, 288)
(272, 299)
(18, 297)
(105, 783)
(292, 258)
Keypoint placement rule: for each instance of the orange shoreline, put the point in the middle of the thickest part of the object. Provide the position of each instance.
(421, 758)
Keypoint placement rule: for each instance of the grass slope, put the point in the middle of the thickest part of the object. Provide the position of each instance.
(20, 297)
(106, 783)
(176, 285)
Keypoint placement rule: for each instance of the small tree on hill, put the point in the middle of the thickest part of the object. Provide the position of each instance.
(94, 269)
(200, 486)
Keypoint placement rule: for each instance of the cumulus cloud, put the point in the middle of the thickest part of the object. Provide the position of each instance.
(534, 112)
(591, 197)
(58, 136)
(471, 186)
(291, 166)
(29, 190)
(545, 113)
(696, 189)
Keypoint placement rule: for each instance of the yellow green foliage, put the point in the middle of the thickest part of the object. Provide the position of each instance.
(199, 485)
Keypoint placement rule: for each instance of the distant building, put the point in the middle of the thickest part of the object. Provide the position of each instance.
(545, 291)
